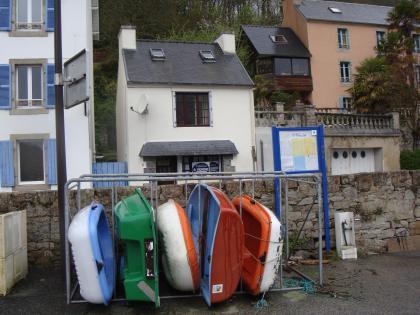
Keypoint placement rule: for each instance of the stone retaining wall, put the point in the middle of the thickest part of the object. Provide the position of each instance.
(387, 204)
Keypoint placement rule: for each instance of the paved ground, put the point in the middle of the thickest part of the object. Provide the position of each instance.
(378, 284)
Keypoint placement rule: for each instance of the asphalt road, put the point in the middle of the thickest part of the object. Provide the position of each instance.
(377, 284)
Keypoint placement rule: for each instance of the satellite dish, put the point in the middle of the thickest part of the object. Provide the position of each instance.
(142, 104)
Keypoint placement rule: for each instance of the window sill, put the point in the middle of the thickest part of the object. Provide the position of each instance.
(28, 111)
(31, 187)
(23, 33)
(343, 49)
(347, 83)
(208, 126)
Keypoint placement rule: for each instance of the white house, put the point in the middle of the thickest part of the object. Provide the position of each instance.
(27, 115)
(183, 106)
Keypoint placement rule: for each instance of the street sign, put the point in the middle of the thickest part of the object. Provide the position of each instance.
(76, 86)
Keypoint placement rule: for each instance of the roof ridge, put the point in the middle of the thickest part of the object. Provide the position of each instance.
(267, 26)
(349, 3)
(173, 41)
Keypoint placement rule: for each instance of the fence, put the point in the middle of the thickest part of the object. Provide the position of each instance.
(242, 183)
(104, 168)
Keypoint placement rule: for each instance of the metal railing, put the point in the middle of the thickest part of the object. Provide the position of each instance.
(246, 183)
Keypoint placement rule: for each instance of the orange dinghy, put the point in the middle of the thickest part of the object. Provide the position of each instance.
(263, 245)
(179, 258)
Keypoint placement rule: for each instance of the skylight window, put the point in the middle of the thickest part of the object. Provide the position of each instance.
(334, 10)
(157, 54)
(281, 39)
(207, 56)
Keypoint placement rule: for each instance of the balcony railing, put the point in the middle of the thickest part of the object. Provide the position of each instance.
(355, 121)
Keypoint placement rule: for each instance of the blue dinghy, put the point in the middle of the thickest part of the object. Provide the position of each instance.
(92, 248)
(218, 237)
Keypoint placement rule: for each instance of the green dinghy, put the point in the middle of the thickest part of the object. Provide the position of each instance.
(139, 265)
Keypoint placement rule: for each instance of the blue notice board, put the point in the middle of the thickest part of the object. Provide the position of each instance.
(299, 150)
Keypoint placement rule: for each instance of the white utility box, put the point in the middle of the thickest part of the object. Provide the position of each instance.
(345, 237)
(13, 249)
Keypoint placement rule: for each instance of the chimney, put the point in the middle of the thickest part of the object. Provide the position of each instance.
(226, 41)
(127, 37)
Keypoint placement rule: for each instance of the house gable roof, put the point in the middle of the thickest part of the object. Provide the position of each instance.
(259, 36)
(350, 12)
(183, 65)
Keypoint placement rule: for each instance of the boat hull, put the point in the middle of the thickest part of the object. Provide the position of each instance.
(179, 258)
(219, 237)
(263, 245)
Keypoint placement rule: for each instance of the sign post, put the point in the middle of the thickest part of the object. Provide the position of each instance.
(300, 150)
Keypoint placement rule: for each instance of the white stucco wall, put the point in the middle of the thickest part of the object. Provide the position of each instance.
(232, 110)
(77, 35)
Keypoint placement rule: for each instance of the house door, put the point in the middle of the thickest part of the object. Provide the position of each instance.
(166, 164)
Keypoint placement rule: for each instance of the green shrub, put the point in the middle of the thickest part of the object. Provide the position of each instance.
(410, 160)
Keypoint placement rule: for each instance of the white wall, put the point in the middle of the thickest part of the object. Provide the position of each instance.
(232, 110)
(77, 35)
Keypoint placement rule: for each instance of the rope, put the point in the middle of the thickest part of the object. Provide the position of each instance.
(261, 303)
(307, 286)
(263, 240)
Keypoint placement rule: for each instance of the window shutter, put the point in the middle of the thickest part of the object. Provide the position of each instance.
(5, 101)
(7, 171)
(341, 106)
(50, 86)
(52, 162)
(5, 15)
(50, 16)
(174, 108)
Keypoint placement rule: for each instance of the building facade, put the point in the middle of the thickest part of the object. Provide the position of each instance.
(27, 98)
(339, 36)
(183, 106)
(279, 57)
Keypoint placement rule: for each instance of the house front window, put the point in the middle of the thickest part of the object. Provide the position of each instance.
(31, 163)
(380, 35)
(29, 14)
(343, 38)
(291, 66)
(29, 86)
(345, 103)
(345, 71)
(416, 39)
(192, 109)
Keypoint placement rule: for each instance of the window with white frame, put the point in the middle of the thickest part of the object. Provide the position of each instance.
(343, 38)
(29, 85)
(192, 109)
(345, 71)
(29, 14)
(416, 39)
(345, 103)
(380, 35)
(30, 161)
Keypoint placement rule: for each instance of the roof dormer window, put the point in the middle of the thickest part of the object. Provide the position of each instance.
(207, 56)
(281, 39)
(334, 10)
(157, 54)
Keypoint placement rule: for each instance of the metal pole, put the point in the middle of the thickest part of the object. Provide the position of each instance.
(59, 124)
(320, 197)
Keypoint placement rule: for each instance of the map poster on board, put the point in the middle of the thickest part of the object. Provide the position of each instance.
(298, 150)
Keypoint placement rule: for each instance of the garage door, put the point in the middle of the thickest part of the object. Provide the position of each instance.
(351, 161)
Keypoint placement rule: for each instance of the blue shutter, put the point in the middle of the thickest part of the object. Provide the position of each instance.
(5, 101)
(50, 86)
(7, 171)
(52, 162)
(341, 106)
(50, 16)
(5, 15)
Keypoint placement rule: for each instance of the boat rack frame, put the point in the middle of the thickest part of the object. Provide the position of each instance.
(152, 181)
